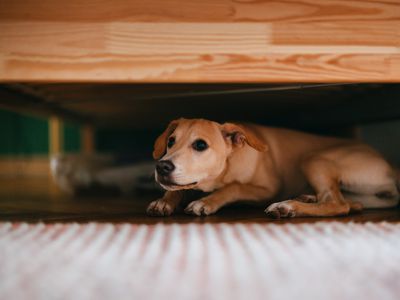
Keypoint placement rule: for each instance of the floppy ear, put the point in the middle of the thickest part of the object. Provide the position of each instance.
(239, 135)
(160, 144)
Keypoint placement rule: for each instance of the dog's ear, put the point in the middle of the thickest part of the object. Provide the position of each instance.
(239, 135)
(160, 144)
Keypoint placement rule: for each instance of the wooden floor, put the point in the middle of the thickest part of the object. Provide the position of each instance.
(38, 200)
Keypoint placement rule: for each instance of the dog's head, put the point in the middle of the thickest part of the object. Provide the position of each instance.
(191, 151)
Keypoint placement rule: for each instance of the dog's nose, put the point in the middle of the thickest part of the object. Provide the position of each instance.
(165, 167)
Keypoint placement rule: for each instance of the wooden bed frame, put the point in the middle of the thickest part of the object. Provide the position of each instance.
(199, 41)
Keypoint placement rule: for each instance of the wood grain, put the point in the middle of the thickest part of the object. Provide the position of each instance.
(200, 41)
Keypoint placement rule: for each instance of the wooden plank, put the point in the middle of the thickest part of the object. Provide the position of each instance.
(142, 106)
(56, 137)
(20, 98)
(307, 108)
(200, 41)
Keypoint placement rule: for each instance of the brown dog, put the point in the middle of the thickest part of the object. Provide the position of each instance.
(279, 166)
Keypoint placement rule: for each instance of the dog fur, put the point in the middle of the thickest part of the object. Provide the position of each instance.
(296, 174)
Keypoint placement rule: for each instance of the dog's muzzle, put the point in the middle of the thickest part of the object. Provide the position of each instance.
(164, 169)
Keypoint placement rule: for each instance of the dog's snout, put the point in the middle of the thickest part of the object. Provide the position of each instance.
(165, 167)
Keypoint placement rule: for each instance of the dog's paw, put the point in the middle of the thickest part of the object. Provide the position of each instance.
(160, 208)
(307, 198)
(283, 209)
(200, 208)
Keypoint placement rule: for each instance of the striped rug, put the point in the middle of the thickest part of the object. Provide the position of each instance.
(326, 260)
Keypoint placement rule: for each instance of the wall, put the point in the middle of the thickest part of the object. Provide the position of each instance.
(385, 137)
(22, 135)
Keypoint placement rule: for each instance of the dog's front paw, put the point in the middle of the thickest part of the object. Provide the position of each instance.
(160, 208)
(200, 208)
(284, 209)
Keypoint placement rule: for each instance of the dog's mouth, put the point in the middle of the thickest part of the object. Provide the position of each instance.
(171, 185)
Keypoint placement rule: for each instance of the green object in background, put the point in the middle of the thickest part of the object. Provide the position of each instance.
(72, 138)
(23, 135)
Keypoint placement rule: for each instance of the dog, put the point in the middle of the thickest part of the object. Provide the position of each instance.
(295, 173)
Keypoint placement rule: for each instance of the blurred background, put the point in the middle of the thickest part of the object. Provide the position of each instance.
(124, 120)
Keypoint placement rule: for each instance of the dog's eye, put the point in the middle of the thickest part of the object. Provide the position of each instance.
(171, 142)
(199, 145)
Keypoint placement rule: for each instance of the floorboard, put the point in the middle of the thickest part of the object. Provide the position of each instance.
(37, 200)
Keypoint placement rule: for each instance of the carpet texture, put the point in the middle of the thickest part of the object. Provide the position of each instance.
(200, 261)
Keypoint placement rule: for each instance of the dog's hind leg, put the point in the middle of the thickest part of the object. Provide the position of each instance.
(322, 175)
(307, 198)
(359, 180)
